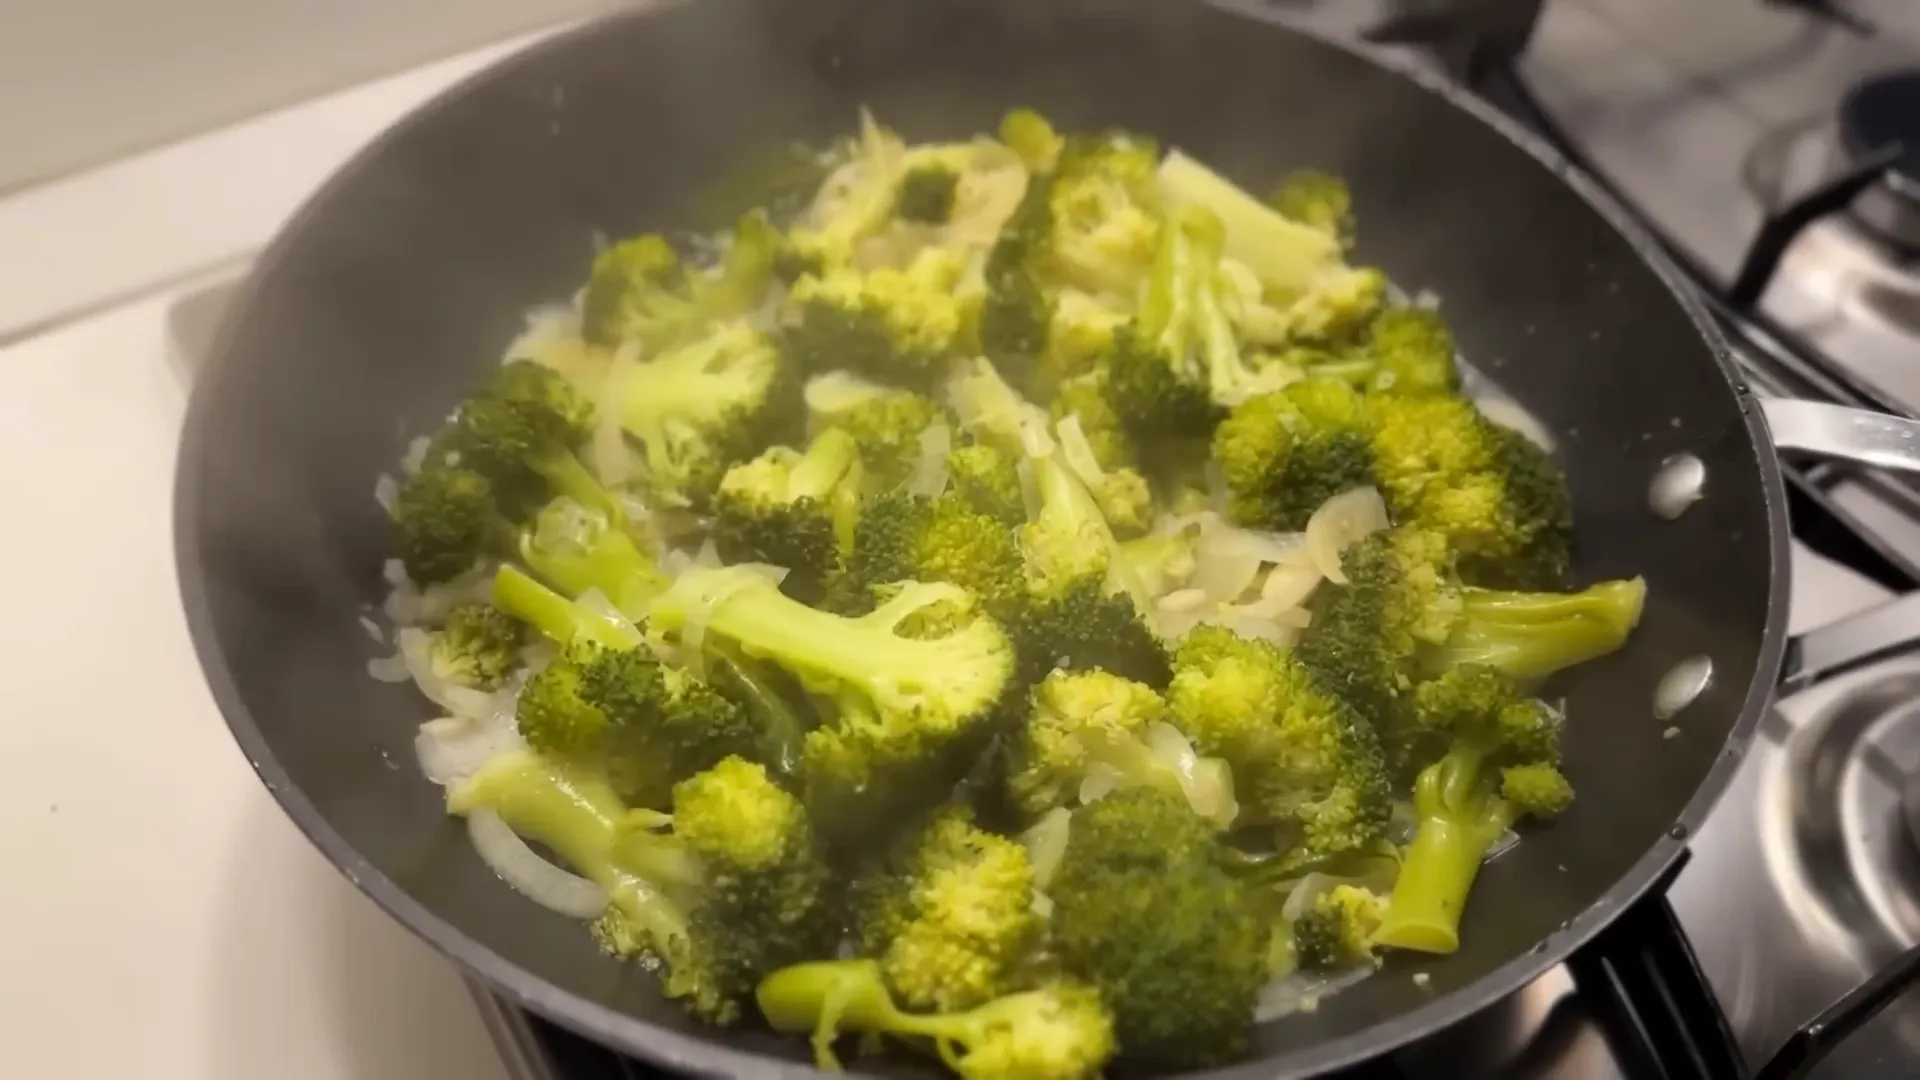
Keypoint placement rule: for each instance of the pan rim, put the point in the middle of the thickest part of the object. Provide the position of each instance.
(697, 1055)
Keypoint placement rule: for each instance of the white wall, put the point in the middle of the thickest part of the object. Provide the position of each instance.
(82, 81)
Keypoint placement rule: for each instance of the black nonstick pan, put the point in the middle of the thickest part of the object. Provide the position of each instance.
(388, 296)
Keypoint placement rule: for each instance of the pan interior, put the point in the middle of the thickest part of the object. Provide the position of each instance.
(395, 289)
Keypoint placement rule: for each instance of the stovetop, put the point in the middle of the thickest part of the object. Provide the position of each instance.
(1711, 118)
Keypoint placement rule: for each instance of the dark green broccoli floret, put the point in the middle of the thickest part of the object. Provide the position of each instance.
(520, 431)
(1016, 314)
(1284, 454)
(906, 537)
(987, 480)
(1337, 930)
(1059, 1031)
(1316, 199)
(732, 892)
(1178, 364)
(780, 509)
(704, 406)
(639, 291)
(477, 646)
(897, 326)
(1402, 614)
(1096, 726)
(578, 549)
(926, 194)
(909, 709)
(446, 520)
(1145, 910)
(1302, 759)
(950, 914)
(1500, 501)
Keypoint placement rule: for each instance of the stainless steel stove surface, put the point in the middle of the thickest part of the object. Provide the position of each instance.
(1709, 117)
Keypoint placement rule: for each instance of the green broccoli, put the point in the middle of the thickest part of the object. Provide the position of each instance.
(1056, 1031)
(856, 203)
(780, 509)
(926, 194)
(1105, 201)
(901, 536)
(886, 424)
(735, 890)
(1092, 727)
(559, 619)
(520, 431)
(1402, 614)
(1337, 930)
(1016, 314)
(910, 709)
(1412, 353)
(639, 290)
(1084, 397)
(1318, 200)
(1144, 909)
(950, 914)
(704, 406)
(1160, 561)
(1032, 138)
(1303, 761)
(898, 326)
(446, 521)
(1286, 453)
(1465, 802)
(478, 646)
(1500, 501)
(987, 480)
(579, 548)
(1178, 364)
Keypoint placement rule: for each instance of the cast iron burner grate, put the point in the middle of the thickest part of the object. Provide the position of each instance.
(1879, 113)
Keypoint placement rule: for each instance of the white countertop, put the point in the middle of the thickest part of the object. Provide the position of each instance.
(161, 918)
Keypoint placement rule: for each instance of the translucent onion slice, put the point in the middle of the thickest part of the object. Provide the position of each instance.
(1340, 522)
(539, 880)
(386, 492)
(693, 635)
(1206, 782)
(1046, 842)
(1078, 452)
(930, 473)
(389, 669)
(416, 648)
(1511, 414)
(608, 452)
(452, 748)
(1302, 991)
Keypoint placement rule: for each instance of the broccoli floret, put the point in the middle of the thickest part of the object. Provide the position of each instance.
(857, 201)
(579, 548)
(1179, 362)
(1144, 909)
(1337, 930)
(1057, 1031)
(780, 509)
(1016, 314)
(1318, 200)
(1402, 614)
(901, 536)
(477, 646)
(926, 194)
(1084, 397)
(886, 424)
(704, 406)
(1286, 453)
(1463, 807)
(1105, 200)
(1032, 139)
(639, 291)
(987, 480)
(909, 708)
(733, 892)
(1412, 353)
(520, 431)
(1500, 501)
(1303, 760)
(446, 520)
(897, 326)
(1081, 335)
(1096, 727)
(1160, 561)
(1122, 495)
(950, 914)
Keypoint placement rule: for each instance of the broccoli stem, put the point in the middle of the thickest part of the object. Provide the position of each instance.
(568, 477)
(1532, 635)
(818, 473)
(580, 549)
(785, 730)
(519, 595)
(1165, 308)
(1460, 819)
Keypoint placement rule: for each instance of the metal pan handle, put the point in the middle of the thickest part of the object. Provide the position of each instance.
(1839, 433)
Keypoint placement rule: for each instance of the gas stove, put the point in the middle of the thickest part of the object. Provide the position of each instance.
(1775, 147)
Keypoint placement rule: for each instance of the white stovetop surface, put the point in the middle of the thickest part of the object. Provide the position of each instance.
(160, 916)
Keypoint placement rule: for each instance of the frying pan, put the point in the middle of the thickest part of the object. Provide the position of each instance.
(391, 292)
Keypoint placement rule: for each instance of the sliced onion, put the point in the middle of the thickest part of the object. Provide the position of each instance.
(1426, 300)
(389, 669)
(1046, 843)
(1041, 904)
(1099, 782)
(1290, 584)
(1304, 894)
(1339, 523)
(1302, 991)
(1206, 782)
(930, 473)
(416, 454)
(693, 634)
(1217, 494)
(539, 880)
(373, 630)
(452, 748)
(386, 492)
(1078, 452)
(609, 453)
(416, 648)
(1511, 414)
(1029, 487)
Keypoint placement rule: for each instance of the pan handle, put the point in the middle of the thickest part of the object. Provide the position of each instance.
(1840, 433)
(1851, 643)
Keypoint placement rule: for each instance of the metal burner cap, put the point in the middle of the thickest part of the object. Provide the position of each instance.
(1880, 111)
